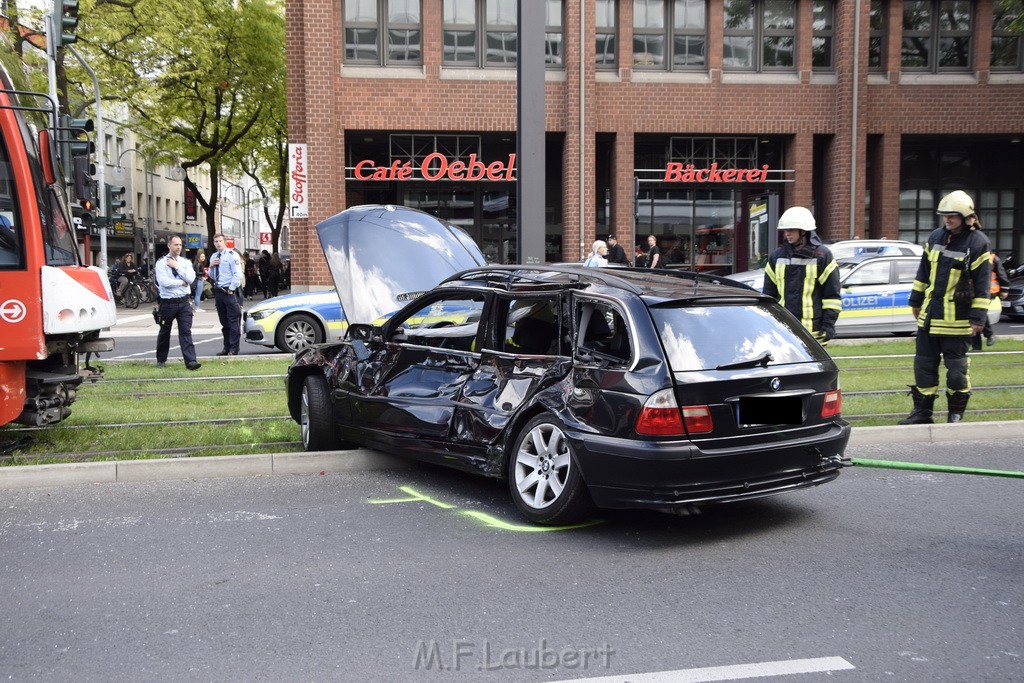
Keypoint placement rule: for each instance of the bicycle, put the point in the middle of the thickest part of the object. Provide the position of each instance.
(147, 290)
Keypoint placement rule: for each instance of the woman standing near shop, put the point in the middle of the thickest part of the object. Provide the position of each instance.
(199, 265)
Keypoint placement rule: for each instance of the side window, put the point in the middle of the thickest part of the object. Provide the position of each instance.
(906, 271)
(602, 332)
(444, 323)
(10, 239)
(531, 327)
(870, 274)
(59, 237)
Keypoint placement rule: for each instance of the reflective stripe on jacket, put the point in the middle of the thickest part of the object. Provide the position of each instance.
(947, 258)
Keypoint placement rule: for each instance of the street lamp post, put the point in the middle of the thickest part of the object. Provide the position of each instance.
(149, 189)
(248, 221)
(244, 237)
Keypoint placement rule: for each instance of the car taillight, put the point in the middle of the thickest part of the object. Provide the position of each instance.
(833, 404)
(660, 415)
(698, 419)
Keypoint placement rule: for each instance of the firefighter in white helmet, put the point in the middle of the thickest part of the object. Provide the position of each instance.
(803, 275)
(950, 301)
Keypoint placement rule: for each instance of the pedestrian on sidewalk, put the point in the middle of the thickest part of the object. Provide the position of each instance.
(199, 265)
(174, 278)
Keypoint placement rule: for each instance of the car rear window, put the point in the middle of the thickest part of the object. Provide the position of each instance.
(710, 337)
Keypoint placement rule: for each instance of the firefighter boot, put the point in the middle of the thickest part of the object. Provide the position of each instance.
(922, 412)
(957, 405)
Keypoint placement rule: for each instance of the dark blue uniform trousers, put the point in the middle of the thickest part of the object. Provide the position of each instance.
(180, 311)
(229, 310)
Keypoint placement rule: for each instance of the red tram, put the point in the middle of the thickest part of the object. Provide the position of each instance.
(53, 308)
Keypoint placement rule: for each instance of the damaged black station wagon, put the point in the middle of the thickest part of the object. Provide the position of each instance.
(579, 386)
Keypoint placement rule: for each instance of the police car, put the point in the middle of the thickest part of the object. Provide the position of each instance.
(875, 292)
(876, 295)
(294, 321)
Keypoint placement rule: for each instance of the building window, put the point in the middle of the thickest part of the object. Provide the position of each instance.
(606, 23)
(760, 35)
(937, 35)
(493, 24)
(383, 32)
(702, 152)
(824, 35)
(670, 34)
(917, 215)
(1006, 45)
(416, 148)
(995, 211)
(876, 41)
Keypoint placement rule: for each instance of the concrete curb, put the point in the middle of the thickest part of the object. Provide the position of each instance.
(935, 433)
(365, 460)
(358, 460)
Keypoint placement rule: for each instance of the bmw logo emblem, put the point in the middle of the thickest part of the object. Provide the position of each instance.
(776, 384)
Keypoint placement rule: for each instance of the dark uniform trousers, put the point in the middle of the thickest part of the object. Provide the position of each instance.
(229, 310)
(172, 310)
(933, 348)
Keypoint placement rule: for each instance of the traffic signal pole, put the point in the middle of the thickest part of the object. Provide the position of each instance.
(52, 38)
(101, 166)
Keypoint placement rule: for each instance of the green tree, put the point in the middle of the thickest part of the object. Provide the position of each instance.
(265, 161)
(196, 76)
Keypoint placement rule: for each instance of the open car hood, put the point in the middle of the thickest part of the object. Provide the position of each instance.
(382, 256)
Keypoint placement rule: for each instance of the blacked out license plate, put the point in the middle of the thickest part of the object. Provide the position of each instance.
(754, 411)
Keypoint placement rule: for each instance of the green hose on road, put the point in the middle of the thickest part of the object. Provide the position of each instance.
(924, 467)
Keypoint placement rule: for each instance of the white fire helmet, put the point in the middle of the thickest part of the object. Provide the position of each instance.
(797, 218)
(956, 201)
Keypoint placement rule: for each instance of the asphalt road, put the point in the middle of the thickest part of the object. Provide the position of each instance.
(387, 576)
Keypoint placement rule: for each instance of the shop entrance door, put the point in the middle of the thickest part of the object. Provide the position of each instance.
(486, 212)
(696, 229)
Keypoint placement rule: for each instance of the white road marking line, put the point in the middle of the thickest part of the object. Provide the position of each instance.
(728, 673)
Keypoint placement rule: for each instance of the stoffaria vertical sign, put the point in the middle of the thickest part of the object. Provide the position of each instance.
(298, 189)
(191, 211)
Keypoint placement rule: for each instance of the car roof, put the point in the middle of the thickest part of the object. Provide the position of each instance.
(861, 258)
(905, 247)
(653, 285)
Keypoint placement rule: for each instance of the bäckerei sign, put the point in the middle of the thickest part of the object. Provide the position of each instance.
(679, 173)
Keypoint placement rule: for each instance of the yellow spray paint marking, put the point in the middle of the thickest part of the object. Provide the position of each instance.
(496, 523)
(416, 495)
(488, 520)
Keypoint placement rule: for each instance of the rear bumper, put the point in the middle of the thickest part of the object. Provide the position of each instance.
(624, 473)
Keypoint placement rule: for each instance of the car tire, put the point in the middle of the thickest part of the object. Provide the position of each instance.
(298, 332)
(544, 475)
(317, 423)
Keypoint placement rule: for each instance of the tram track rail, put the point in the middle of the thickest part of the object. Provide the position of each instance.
(134, 412)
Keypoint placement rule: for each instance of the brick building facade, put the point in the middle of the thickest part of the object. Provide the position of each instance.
(866, 119)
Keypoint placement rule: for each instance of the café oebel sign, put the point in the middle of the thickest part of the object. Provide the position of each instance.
(436, 167)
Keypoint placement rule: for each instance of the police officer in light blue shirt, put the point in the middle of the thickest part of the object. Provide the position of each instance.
(174, 277)
(226, 278)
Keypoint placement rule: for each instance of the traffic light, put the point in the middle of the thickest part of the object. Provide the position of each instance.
(79, 130)
(82, 175)
(65, 22)
(85, 213)
(115, 203)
